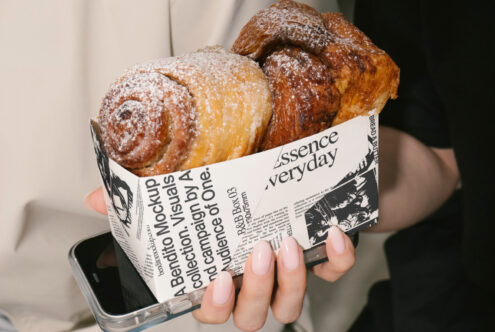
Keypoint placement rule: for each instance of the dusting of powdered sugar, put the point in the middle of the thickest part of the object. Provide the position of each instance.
(230, 98)
(129, 114)
(231, 95)
(358, 68)
(134, 116)
(290, 23)
(285, 22)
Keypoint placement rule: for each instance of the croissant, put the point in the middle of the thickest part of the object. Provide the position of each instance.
(321, 69)
(184, 112)
(317, 70)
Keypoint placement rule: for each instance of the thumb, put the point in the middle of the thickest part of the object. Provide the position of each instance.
(95, 201)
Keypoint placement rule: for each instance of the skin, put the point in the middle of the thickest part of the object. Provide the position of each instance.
(414, 181)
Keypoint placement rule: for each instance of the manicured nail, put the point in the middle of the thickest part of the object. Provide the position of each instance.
(337, 240)
(261, 258)
(290, 254)
(222, 288)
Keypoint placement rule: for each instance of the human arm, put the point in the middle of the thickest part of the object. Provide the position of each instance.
(414, 179)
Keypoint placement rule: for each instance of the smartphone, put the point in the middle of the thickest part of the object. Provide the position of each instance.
(118, 297)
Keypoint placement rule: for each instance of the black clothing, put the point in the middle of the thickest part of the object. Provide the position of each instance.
(441, 268)
(428, 288)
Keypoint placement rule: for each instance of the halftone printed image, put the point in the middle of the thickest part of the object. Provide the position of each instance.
(351, 206)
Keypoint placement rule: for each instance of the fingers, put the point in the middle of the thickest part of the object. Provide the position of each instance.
(218, 301)
(291, 277)
(95, 201)
(256, 292)
(340, 252)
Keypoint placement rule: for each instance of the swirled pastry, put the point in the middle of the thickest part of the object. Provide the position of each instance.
(184, 112)
(322, 70)
(305, 100)
(212, 105)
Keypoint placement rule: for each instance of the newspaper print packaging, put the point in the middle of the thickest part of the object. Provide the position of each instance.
(181, 229)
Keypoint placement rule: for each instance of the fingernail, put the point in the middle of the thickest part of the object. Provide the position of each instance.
(290, 254)
(261, 258)
(222, 288)
(337, 240)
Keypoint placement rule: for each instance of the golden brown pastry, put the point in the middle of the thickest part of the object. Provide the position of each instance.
(364, 74)
(322, 70)
(184, 112)
(212, 105)
(305, 99)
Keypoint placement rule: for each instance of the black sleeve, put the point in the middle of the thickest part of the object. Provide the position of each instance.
(418, 110)
(446, 51)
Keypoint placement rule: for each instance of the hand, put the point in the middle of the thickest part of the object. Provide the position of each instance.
(259, 290)
(96, 201)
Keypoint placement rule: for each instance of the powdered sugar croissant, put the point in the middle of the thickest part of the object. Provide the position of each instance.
(322, 70)
(183, 112)
(213, 105)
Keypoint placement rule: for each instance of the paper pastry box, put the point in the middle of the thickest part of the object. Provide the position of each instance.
(181, 229)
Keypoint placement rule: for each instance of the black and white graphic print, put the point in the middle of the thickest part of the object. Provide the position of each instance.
(364, 165)
(117, 189)
(352, 206)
